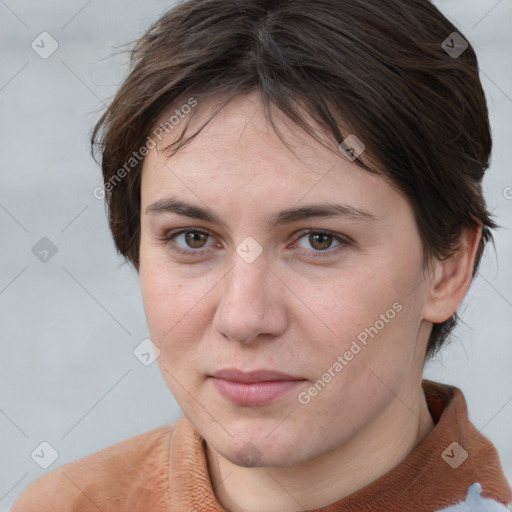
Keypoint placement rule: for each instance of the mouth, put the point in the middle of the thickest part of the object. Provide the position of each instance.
(254, 388)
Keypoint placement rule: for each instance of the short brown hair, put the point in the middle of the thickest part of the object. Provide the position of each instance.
(376, 69)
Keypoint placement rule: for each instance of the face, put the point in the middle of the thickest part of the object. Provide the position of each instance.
(276, 321)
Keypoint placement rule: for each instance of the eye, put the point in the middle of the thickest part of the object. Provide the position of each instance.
(193, 241)
(187, 241)
(321, 242)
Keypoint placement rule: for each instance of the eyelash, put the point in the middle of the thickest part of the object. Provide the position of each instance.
(343, 240)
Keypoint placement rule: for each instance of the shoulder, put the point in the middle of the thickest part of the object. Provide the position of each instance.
(134, 469)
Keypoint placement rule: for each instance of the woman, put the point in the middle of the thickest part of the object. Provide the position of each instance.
(298, 185)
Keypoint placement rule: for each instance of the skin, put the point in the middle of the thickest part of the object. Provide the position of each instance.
(290, 311)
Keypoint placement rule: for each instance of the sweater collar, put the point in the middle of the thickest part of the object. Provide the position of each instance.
(436, 474)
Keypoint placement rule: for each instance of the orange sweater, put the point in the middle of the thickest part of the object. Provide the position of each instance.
(165, 469)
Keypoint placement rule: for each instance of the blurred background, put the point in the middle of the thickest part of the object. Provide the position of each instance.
(71, 314)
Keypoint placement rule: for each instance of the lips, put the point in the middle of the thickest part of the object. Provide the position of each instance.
(254, 388)
(235, 375)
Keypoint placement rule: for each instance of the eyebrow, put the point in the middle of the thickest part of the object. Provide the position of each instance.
(287, 216)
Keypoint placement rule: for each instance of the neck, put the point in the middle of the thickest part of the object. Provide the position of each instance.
(330, 477)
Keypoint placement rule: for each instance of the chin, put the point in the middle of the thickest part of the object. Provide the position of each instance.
(250, 456)
(259, 450)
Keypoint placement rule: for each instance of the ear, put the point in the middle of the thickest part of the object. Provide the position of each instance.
(452, 277)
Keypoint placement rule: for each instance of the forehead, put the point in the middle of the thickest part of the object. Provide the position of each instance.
(239, 153)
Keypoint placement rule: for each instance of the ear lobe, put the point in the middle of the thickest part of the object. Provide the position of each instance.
(452, 277)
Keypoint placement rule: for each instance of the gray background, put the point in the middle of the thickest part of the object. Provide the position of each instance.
(68, 375)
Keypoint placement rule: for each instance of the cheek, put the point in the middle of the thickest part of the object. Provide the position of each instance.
(343, 307)
(369, 317)
(174, 304)
(167, 306)
(175, 317)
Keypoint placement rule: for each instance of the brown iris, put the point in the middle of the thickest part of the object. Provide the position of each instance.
(195, 240)
(320, 241)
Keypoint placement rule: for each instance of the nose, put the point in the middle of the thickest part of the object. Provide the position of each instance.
(252, 302)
